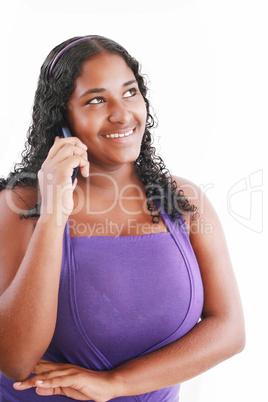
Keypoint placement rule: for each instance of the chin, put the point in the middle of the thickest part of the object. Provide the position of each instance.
(127, 157)
(132, 158)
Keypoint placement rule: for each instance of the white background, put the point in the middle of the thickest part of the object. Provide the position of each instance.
(207, 62)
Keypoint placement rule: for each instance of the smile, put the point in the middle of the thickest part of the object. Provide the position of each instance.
(117, 135)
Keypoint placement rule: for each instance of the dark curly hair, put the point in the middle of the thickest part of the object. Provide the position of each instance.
(49, 114)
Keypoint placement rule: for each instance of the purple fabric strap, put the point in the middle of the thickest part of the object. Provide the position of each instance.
(63, 50)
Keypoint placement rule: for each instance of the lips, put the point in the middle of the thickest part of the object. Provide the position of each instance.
(119, 135)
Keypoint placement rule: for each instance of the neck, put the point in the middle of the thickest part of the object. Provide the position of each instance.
(110, 182)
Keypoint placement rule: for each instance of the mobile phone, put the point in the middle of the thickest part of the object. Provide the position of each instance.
(64, 132)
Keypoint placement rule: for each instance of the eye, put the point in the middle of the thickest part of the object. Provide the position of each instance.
(130, 92)
(95, 101)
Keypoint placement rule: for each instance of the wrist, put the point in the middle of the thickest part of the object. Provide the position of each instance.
(116, 384)
(52, 222)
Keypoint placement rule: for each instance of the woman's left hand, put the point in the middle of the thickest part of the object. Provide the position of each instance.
(69, 380)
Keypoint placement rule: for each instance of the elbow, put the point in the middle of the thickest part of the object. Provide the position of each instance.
(16, 373)
(239, 340)
(16, 368)
(17, 362)
(236, 337)
(227, 336)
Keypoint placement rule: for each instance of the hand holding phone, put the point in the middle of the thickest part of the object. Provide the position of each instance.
(64, 132)
(61, 165)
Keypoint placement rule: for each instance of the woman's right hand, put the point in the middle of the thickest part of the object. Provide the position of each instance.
(55, 177)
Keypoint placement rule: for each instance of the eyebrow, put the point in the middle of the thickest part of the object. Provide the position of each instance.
(100, 90)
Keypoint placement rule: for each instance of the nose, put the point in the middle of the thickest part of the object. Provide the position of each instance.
(119, 113)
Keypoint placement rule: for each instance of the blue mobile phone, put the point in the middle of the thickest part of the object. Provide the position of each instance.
(65, 133)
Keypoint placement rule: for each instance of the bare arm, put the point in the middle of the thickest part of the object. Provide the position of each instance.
(30, 262)
(29, 287)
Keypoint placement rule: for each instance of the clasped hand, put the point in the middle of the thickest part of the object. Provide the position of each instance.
(69, 380)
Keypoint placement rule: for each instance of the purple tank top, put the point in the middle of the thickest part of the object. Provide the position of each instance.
(119, 298)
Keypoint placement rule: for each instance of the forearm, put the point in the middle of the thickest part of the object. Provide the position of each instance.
(207, 344)
(28, 307)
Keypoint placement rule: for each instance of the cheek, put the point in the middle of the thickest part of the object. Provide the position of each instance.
(143, 114)
(83, 124)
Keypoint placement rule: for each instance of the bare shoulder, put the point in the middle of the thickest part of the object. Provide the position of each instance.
(19, 199)
(191, 191)
(195, 198)
(206, 219)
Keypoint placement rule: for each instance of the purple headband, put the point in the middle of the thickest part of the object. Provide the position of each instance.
(63, 50)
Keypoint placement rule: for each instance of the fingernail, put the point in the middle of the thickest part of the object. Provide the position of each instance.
(17, 384)
(39, 382)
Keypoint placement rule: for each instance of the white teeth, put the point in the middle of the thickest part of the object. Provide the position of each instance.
(116, 135)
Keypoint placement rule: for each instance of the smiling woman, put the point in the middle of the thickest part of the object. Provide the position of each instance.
(118, 112)
(111, 289)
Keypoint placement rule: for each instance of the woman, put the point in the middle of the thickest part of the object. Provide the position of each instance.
(104, 277)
